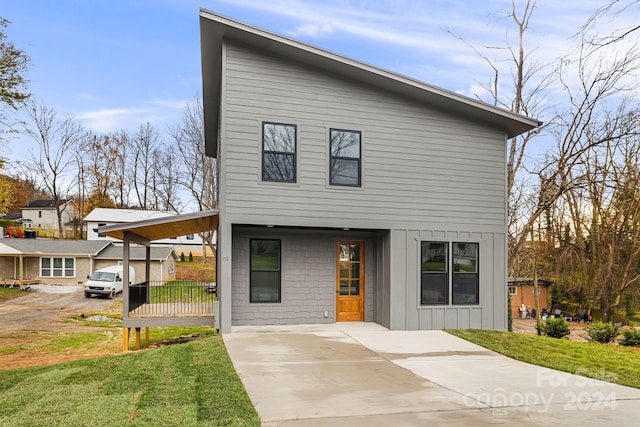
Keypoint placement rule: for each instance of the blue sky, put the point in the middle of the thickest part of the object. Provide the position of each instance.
(114, 64)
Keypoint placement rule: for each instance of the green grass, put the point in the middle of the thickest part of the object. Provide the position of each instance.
(610, 362)
(192, 384)
(180, 291)
(10, 293)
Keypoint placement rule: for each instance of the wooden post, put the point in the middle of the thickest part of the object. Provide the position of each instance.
(125, 340)
(137, 338)
(146, 334)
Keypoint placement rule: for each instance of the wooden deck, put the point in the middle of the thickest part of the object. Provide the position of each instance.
(18, 283)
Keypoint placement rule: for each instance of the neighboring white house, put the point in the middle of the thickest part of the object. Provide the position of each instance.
(100, 217)
(42, 214)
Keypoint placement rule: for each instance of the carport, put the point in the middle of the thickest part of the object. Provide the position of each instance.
(136, 295)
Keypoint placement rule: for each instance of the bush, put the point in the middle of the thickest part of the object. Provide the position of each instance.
(602, 332)
(554, 327)
(190, 257)
(631, 338)
(182, 258)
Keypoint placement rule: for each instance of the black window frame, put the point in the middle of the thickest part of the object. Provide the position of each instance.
(457, 278)
(432, 275)
(294, 156)
(253, 270)
(460, 278)
(333, 158)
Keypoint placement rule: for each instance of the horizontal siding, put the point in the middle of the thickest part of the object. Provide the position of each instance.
(419, 165)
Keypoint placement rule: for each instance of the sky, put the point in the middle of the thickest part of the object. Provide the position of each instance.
(116, 64)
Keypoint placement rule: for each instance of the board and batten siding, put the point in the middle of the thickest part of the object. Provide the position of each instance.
(420, 166)
(406, 311)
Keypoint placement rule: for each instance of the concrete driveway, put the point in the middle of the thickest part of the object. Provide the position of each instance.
(361, 374)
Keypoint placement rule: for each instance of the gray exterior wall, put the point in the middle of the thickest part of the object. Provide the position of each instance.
(426, 175)
(308, 276)
(421, 167)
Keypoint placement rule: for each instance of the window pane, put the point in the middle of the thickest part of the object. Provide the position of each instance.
(345, 172)
(69, 262)
(345, 144)
(465, 257)
(278, 167)
(265, 255)
(57, 263)
(465, 288)
(279, 137)
(355, 270)
(344, 269)
(355, 253)
(434, 288)
(265, 271)
(265, 286)
(46, 267)
(355, 287)
(344, 287)
(434, 256)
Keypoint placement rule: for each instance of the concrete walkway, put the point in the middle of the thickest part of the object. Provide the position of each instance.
(361, 374)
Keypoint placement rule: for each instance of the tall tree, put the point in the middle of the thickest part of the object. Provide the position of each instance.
(56, 139)
(13, 66)
(144, 143)
(200, 173)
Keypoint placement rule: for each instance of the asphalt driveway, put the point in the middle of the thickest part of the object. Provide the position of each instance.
(361, 374)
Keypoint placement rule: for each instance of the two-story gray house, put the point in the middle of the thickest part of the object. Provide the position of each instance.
(351, 193)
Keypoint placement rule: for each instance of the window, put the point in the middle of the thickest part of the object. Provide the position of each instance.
(465, 274)
(441, 278)
(345, 153)
(57, 267)
(513, 290)
(189, 236)
(278, 152)
(265, 271)
(435, 277)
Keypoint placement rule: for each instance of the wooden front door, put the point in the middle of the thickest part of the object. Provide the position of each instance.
(350, 282)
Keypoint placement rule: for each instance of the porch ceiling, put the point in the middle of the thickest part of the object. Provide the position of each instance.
(166, 227)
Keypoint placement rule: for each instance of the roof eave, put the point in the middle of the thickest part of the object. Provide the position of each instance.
(215, 28)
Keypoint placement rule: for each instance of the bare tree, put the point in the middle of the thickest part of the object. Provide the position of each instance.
(200, 173)
(167, 175)
(144, 142)
(56, 139)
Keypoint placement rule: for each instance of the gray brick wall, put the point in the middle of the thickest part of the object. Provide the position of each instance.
(308, 259)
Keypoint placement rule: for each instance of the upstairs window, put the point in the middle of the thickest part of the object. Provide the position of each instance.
(345, 152)
(278, 152)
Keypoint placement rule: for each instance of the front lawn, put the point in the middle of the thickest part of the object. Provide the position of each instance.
(192, 384)
(607, 362)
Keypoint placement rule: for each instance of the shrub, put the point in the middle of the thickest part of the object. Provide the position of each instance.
(554, 327)
(631, 338)
(190, 257)
(182, 258)
(602, 332)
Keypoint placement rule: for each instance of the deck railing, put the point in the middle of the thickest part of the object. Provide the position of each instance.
(177, 298)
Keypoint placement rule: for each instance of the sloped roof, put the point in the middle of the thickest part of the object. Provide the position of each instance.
(124, 215)
(163, 228)
(43, 203)
(158, 253)
(41, 247)
(215, 28)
